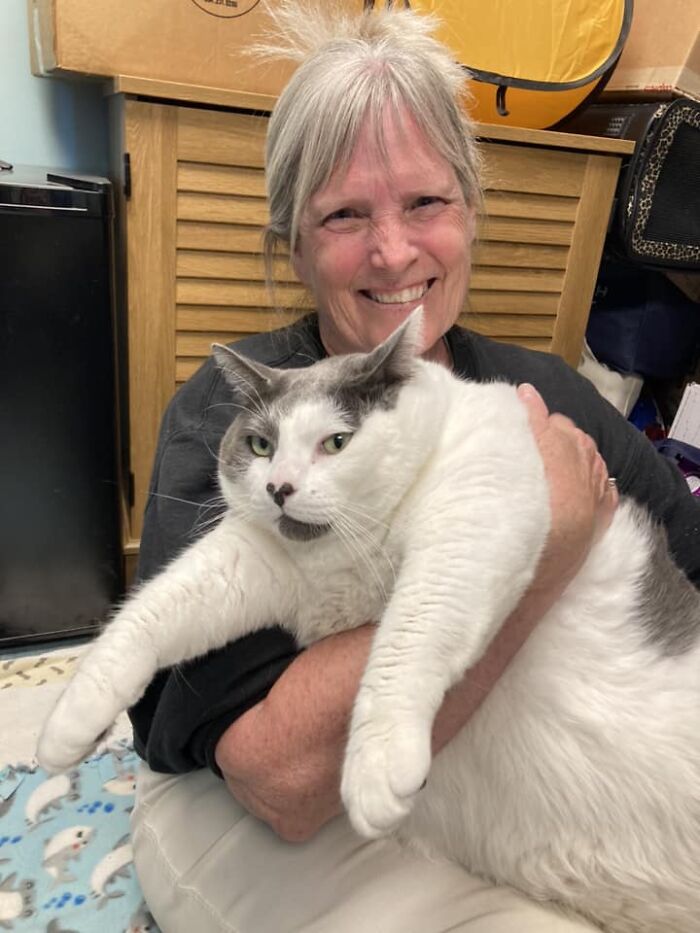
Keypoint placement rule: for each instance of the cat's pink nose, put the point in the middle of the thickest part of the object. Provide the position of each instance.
(279, 495)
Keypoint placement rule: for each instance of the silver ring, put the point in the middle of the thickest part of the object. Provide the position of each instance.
(612, 482)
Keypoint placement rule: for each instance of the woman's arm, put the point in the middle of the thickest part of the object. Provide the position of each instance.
(282, 759)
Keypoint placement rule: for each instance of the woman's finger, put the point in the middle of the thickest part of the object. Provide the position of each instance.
(537, 411)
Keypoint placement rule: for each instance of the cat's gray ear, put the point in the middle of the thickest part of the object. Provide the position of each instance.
(251, 379)
(394, 358)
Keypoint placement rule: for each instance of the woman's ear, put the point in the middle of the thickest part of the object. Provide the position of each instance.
(299, 262)
(470, 222)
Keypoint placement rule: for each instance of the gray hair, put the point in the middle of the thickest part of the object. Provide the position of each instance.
(354, 66)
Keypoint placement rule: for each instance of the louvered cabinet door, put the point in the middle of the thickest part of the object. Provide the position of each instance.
(193, 224)
(539, 243)
(144, 168)
(191, 230)
(220, 292)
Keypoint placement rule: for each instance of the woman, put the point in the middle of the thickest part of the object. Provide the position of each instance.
(373, 184)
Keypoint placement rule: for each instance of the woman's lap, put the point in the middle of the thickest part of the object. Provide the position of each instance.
(205, 864)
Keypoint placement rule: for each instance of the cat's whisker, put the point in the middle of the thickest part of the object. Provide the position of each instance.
(214, 454)
(348, 532)
(307, 356)
(256, 404)
(365, 516)
(180, 675)
(357, 555)
(237, 408)
(233, 405)
(206, 523)
(162, 495)
(214, 502)
(256, 399)
(378, 548)
(253, 410)
(244, 515)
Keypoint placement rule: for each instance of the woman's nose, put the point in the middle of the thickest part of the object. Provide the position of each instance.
(392, 247)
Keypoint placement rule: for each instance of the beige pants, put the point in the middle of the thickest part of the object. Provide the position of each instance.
(206, 865)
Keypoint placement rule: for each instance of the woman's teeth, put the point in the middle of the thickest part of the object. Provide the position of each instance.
(392, 298)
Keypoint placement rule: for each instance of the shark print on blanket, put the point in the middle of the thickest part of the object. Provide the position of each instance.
(54, 926)
(66, 846)
(65, 849)
(112, 867)
(50, 796)
(124, 783)
(16, 901)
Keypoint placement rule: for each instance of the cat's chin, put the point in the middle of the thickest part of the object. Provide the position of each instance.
(300, 531)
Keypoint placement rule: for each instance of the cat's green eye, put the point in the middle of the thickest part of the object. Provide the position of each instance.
(260, 446)
(336, 442)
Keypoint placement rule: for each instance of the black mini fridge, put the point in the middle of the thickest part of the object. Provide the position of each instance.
(60, 562)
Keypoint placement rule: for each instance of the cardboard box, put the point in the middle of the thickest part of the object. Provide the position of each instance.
(193, 42)
(662, 52)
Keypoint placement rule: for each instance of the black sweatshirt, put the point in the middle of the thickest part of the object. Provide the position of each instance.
(184, 712)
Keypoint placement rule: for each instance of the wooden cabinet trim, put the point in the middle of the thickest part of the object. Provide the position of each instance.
(151, 140)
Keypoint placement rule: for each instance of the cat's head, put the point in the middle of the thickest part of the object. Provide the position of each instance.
(318, 449)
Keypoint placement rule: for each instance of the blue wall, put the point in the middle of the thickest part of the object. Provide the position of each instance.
(46, 121)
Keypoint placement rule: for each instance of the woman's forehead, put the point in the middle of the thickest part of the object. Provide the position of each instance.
(398, 156)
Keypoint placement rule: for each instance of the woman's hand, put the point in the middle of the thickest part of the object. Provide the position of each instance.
(283, 758)
(582, 500)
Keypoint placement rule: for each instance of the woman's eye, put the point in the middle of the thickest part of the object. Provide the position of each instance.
(260, 446)
(426, 201)
(343, 214)
(336, 442)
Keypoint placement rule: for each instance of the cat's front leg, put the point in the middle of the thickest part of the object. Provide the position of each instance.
(98, 692)
(221, 588)
(466, 569)
(388, 754)
(421, 649)
(387, 760)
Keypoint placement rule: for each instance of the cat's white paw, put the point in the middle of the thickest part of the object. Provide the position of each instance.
(73, 729)
(58, 749)
(386, 764)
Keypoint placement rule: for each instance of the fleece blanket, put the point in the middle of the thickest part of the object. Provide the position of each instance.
(65, 853)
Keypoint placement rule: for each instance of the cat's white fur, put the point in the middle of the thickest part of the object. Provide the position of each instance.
(578, 780)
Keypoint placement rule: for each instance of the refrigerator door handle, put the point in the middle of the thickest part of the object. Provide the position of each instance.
(57, 209)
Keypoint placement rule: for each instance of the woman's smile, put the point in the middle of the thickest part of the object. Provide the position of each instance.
(398, 296)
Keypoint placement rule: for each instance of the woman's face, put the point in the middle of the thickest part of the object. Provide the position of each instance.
(386, 234)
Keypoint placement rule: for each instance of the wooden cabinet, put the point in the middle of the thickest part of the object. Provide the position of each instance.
(190, 216)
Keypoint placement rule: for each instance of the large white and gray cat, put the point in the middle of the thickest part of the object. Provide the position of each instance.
(379, 486)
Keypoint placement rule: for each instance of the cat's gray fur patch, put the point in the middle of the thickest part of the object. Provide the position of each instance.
(343, 380)
(301, 531)
(234, 453)
(354, 392)
(669, 604)
(356, 382)
(357, 401)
